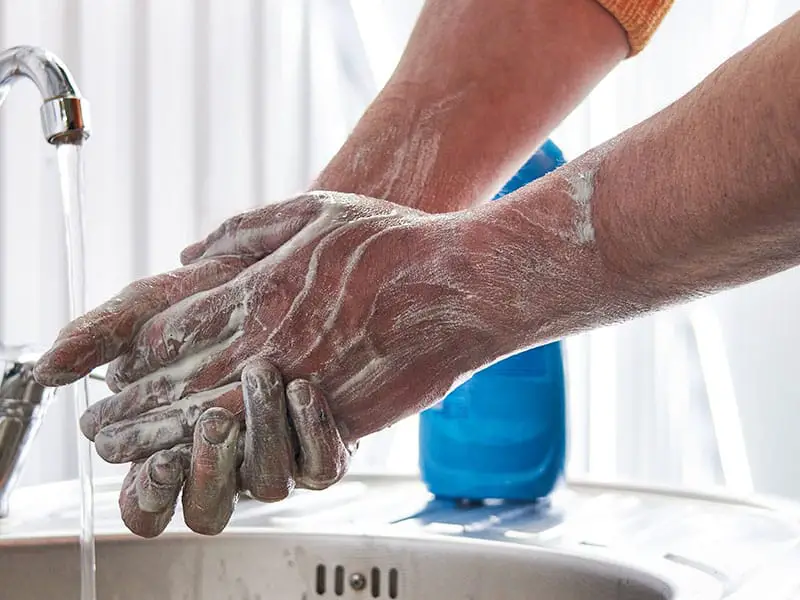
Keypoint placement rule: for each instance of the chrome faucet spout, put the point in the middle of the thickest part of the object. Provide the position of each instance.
(64, 113)
(65, 120)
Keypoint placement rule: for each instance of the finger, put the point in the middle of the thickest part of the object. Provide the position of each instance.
(190, 327)
(137, 438)
(213, 369)
(150, 492)
(134, 400)
(324, 457)
(105, 332)
(210, 493)
(268, 464)
(221, 368)
(257, 233)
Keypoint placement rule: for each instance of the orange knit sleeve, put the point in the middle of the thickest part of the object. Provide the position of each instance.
(639, 18)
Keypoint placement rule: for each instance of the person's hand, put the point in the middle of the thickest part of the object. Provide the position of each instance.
(383, 307)
(104, 333)
(288, 439)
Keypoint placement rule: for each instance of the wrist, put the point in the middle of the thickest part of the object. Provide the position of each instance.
(405, 150)
(539, 271)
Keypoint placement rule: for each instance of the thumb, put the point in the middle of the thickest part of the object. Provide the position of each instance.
(259, 232)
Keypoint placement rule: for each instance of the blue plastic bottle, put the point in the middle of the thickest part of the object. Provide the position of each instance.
(502, 433)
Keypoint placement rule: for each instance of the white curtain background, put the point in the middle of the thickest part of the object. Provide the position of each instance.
(202, 109)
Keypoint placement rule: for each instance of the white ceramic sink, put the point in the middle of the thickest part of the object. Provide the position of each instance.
(280, 566)
(384, 538)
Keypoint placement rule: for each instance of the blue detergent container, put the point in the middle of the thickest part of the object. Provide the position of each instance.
(502, 433)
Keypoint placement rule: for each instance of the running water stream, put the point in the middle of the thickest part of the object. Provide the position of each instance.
(70, 167)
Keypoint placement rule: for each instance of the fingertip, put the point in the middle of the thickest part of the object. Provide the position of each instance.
(51, 370)
(267, 466)
(263, 392)
(210, 492)
(260, 369)
(108, 448)
(209, 528)
(216, 425)
(300, 391)
(88, 424)
(159, 482)
(165, 469)
(324, 457)
(139, 522)
(72, 356)
(191, 253)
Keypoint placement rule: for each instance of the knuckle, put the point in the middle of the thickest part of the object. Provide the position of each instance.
(261, 368)
(267, 385)
(271, 379)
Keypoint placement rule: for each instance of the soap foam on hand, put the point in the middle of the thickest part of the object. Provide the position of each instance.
(265, 460)
(408, 288)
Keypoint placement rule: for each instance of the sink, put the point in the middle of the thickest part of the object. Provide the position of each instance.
(288, 566)
(385, 537)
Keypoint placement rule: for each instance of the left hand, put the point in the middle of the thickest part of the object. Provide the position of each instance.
(383, 307)
(265, 459)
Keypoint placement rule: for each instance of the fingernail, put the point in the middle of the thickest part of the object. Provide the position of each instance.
(165, 470)
(215, 430)
(302, 392)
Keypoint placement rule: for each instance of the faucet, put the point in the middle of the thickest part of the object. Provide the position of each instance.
(64, 114)
(65, 120)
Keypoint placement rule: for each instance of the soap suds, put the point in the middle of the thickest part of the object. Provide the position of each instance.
(416, 144)
(581, 186)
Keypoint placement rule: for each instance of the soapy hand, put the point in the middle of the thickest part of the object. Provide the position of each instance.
(377, 304)
(104, 333)
(289, 438)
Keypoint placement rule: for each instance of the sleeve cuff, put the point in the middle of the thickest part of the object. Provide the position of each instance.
(639, 19)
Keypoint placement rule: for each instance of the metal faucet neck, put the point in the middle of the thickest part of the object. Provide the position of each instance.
(65, 120)
(64, 113)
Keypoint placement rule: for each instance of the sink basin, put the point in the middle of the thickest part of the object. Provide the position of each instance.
(281, 566)
(385, 537)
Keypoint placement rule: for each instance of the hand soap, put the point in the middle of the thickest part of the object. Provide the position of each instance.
(501, 435)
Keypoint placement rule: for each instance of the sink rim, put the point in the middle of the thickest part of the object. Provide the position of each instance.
(717, 495)
(680, 582)
(37, 519)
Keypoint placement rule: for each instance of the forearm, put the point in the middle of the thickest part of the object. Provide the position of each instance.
(703, 196)
(479, 87)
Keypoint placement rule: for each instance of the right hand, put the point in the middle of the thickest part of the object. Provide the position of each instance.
(289, 435)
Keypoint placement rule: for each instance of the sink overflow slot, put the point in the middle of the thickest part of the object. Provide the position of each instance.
(357, 581)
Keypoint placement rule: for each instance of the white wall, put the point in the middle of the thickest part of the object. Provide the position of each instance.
(205, 108)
